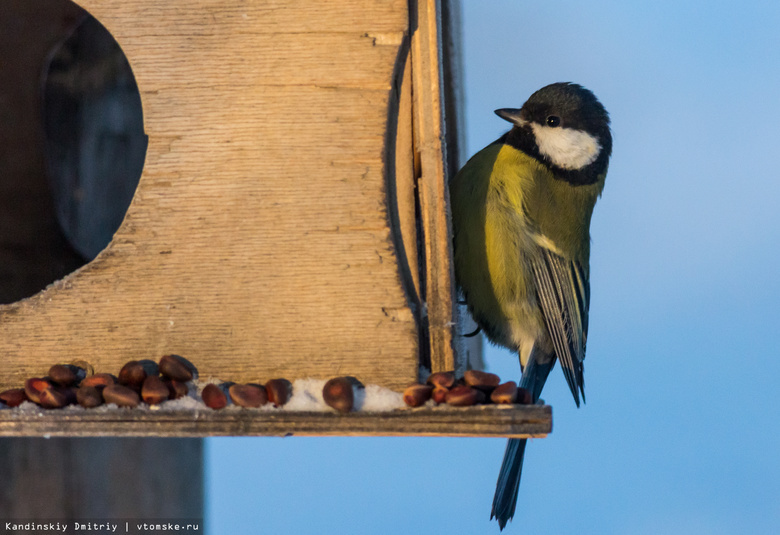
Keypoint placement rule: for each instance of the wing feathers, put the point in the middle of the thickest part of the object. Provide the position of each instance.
(562, 290)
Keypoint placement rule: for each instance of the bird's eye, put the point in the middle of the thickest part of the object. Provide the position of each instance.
(553, 120)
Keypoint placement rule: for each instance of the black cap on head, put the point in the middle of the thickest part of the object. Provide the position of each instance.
(577, 107)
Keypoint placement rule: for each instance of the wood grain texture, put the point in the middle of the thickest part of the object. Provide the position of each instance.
(229, 18)
(520, 421)
(259, 242)
(432, 188)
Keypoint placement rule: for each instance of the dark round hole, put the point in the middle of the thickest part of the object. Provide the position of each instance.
(72, 142)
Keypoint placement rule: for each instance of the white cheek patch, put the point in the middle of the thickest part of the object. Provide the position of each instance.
(565, 147)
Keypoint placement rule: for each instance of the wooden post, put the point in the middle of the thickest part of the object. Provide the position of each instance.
(71, 479)
(429, 135)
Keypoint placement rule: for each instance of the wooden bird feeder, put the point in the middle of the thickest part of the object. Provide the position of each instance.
(290, 221)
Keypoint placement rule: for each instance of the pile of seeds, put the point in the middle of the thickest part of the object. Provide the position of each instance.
(138, 380)
(155, 382)
(174, 377)
(475, 388)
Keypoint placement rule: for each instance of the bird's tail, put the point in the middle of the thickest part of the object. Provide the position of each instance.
(505, 499)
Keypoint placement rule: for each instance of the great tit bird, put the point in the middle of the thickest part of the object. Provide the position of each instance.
(521, 210)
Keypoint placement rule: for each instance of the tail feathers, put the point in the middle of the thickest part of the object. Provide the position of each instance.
(505, 499)
(508, 484)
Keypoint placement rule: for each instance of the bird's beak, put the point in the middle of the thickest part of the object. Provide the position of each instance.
(513, 115)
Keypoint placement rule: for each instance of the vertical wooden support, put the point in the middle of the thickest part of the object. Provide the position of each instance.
(429, 134)
(468, 350)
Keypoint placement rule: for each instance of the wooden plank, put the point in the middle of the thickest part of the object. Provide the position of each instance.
(486, 421)
(433, 190)
(468, 350)
(227, 17)
(281, 59)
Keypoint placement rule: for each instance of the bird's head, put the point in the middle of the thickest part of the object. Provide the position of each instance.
(565, 127)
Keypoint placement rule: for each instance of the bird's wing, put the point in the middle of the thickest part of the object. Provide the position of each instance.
(564, 293)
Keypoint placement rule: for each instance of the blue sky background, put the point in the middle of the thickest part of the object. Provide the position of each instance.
(681, 431)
